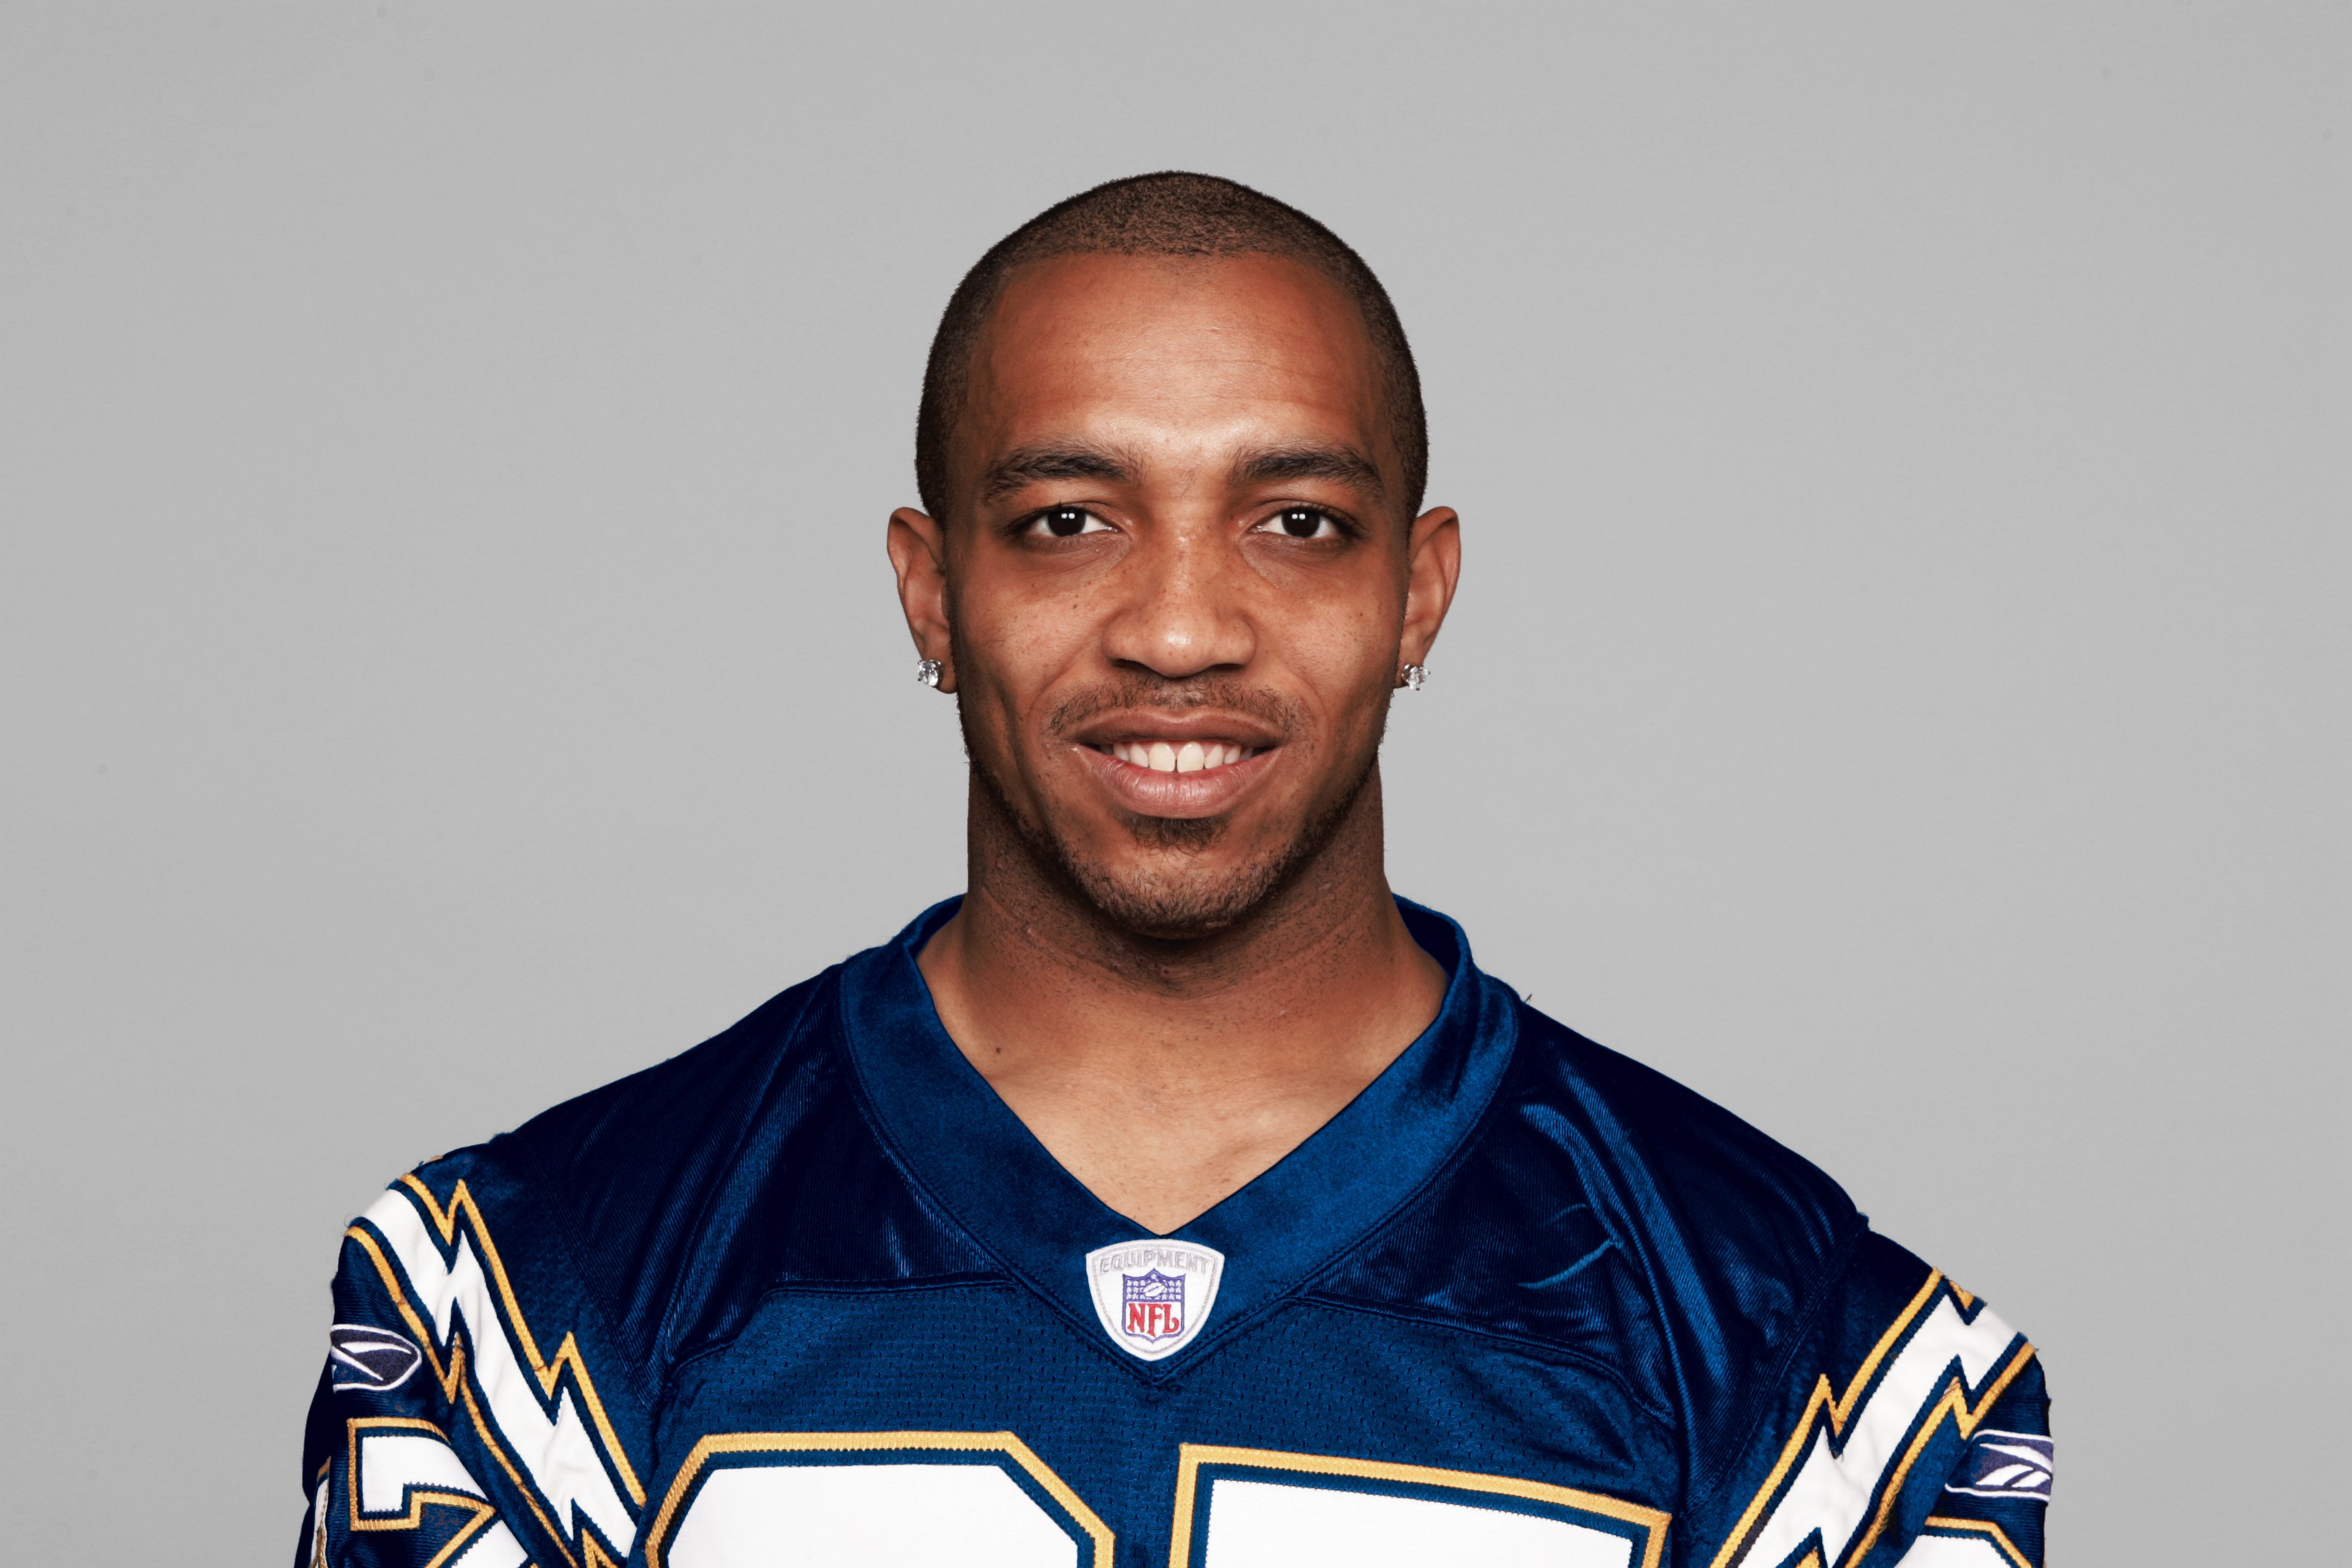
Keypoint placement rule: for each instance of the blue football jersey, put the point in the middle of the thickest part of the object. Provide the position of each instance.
(811, 1294)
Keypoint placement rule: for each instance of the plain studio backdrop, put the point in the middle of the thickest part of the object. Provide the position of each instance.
(451, 662)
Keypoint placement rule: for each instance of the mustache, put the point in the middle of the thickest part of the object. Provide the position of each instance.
(1140, 689)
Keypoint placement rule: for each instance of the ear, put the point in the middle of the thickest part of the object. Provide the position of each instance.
(918, 555)
(1432, 565)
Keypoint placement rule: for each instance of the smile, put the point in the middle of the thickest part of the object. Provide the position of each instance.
(1162, 772)
(1189, 757)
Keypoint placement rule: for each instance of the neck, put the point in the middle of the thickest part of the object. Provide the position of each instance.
(1220, 1053)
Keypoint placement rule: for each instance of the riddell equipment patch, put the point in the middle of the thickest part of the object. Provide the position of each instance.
(1153, 1296)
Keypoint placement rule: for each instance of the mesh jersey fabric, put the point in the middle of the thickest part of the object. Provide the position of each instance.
(809, 1292)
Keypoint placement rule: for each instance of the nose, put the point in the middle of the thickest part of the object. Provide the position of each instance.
(1183, 612)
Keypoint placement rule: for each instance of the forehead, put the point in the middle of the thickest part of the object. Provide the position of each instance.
(1173, 354)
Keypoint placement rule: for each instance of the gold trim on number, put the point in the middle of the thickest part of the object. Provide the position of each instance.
(485, 1512)
(1948, 1525)
(1004, 1443)
(1192, 1455)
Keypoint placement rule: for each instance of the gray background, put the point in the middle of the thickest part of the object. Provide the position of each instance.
(450, 660)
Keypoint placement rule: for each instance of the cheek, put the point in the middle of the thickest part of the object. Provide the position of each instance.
(1021, 644)
(1343, 650)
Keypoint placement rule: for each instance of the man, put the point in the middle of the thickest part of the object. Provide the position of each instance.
(1178, 1193)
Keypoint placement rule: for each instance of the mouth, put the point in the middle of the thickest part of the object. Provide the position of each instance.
(1183, 757)
(1191, 766)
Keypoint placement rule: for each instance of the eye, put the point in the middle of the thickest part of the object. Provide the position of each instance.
(1302, 523)
(1066, 523)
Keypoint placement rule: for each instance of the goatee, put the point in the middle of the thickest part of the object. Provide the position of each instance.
(1186, 900)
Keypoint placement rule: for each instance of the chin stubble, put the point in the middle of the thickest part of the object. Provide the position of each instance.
(1170, 907)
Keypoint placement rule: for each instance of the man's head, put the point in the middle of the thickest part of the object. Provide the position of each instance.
(1168, 215)
(1170, 453)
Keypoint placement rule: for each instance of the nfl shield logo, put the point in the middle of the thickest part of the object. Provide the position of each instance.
(1153, 1296)
(1155, 1305)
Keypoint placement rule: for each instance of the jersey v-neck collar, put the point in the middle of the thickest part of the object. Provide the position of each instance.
(980, 1162)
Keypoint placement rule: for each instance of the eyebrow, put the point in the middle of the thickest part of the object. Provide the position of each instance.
(1270, 465)
(1056, 460)
(1346, 465)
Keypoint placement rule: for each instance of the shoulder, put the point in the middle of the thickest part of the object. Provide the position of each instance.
(1782, 1316)
(659, 1137)
(590, 1211)
(660, 1207)
(526, 1282)
(1689, 1179)
(1603, 1210)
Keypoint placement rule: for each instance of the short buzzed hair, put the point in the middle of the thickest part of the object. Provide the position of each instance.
(1163, 214)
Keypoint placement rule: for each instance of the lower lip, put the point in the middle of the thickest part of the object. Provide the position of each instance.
(1206, 793)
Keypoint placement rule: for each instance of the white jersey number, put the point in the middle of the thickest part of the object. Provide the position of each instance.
(982, 1499)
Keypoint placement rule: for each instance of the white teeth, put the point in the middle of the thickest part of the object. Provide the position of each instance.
(1191, 757)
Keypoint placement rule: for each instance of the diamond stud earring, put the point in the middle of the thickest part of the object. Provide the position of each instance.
(1415, 674)
(928, 670)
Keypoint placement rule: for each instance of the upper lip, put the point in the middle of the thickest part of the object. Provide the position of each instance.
(1194, 724)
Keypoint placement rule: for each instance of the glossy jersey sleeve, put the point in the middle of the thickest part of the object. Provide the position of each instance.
(459, 1422)
(1907, 1424)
